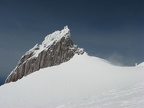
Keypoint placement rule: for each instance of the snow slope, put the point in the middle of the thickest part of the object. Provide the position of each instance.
(82, 82)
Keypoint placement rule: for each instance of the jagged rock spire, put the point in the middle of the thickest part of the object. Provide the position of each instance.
(54, 50)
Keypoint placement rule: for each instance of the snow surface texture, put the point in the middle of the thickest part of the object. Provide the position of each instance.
(82, 82)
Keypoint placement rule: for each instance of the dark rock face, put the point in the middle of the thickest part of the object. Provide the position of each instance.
(55, 54)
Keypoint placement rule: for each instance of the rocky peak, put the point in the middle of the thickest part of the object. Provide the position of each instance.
(54, 50)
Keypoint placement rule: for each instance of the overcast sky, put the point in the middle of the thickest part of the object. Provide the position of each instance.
(110, 29)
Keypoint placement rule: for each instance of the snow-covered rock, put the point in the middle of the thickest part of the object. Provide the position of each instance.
(55, 49)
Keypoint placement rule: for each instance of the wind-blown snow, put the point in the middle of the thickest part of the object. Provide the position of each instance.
(82, 82)
(141, 64)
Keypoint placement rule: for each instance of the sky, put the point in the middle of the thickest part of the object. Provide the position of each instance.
(109, 29)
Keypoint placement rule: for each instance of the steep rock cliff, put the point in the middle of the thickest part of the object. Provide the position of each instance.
(54, 50)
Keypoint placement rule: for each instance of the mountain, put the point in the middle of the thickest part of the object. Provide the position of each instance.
(54, 50)
(83, 81)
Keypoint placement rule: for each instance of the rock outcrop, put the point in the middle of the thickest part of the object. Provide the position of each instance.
(54, 50)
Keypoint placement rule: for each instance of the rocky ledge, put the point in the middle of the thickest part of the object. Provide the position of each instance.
(54, 50)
